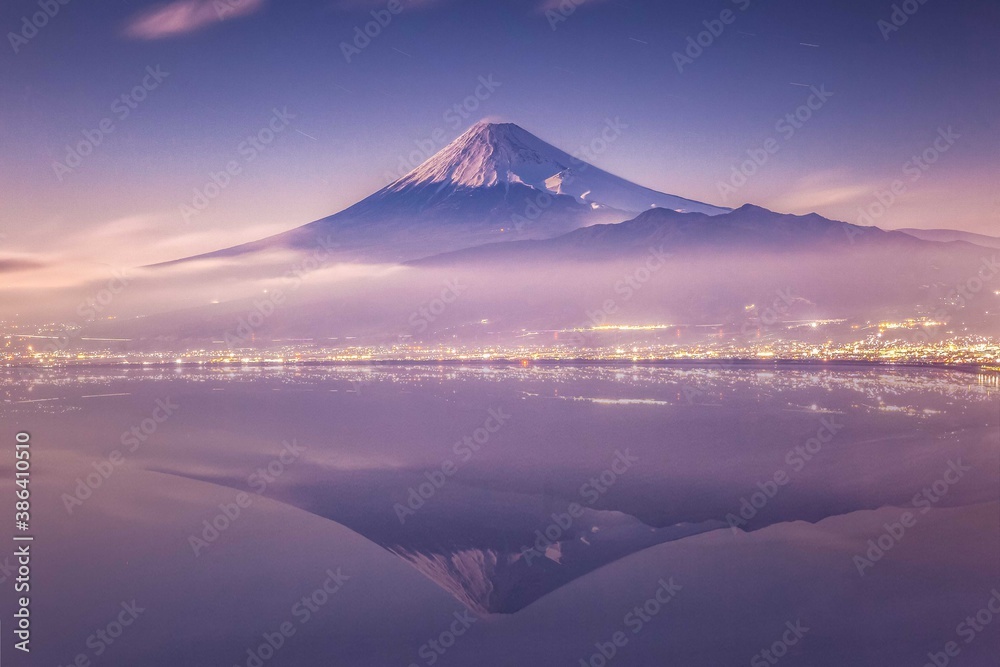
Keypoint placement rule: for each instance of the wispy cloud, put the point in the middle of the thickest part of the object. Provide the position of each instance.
(157, 237)
(820, 192)
(143, 238)
(13, 264)
(184, 16)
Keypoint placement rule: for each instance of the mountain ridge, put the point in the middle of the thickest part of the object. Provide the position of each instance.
(747, 227)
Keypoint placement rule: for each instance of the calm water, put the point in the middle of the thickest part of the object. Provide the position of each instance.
(509, 516)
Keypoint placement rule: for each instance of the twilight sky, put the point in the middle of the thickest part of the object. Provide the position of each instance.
(210, 83)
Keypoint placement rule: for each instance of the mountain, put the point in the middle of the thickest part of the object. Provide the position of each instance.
(501, 233)
(948, 235)
(734, 272)
(738, 270)
(748, 228)
(496, 182)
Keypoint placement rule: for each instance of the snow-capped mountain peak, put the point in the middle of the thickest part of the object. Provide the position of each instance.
(495, 182)
(505, 154)
(489, 154)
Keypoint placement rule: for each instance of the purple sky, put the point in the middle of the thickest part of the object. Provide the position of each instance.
(211, 82)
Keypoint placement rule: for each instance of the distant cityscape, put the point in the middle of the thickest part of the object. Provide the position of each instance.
(911, 341)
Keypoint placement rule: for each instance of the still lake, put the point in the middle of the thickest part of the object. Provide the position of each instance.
(478, 515)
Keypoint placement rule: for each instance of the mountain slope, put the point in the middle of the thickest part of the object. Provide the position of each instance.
(744, 229)
(496, 182)
(668, 267)
(948, 235)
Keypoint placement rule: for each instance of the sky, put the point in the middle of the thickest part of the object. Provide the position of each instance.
(163, 101)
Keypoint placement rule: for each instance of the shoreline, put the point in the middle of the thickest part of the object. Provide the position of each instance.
(727, 363)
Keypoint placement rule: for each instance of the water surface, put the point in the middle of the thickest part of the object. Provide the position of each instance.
(502, 516)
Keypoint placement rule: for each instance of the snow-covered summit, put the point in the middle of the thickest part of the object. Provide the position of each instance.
(503, 154)
(490, 154)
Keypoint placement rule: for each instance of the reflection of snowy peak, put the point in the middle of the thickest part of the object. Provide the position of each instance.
(468, 574)
(495, 552)
(492, 581)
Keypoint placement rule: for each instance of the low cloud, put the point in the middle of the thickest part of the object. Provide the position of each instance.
(151, 238)
(93, 252)
(16, 264)
(186, 16)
